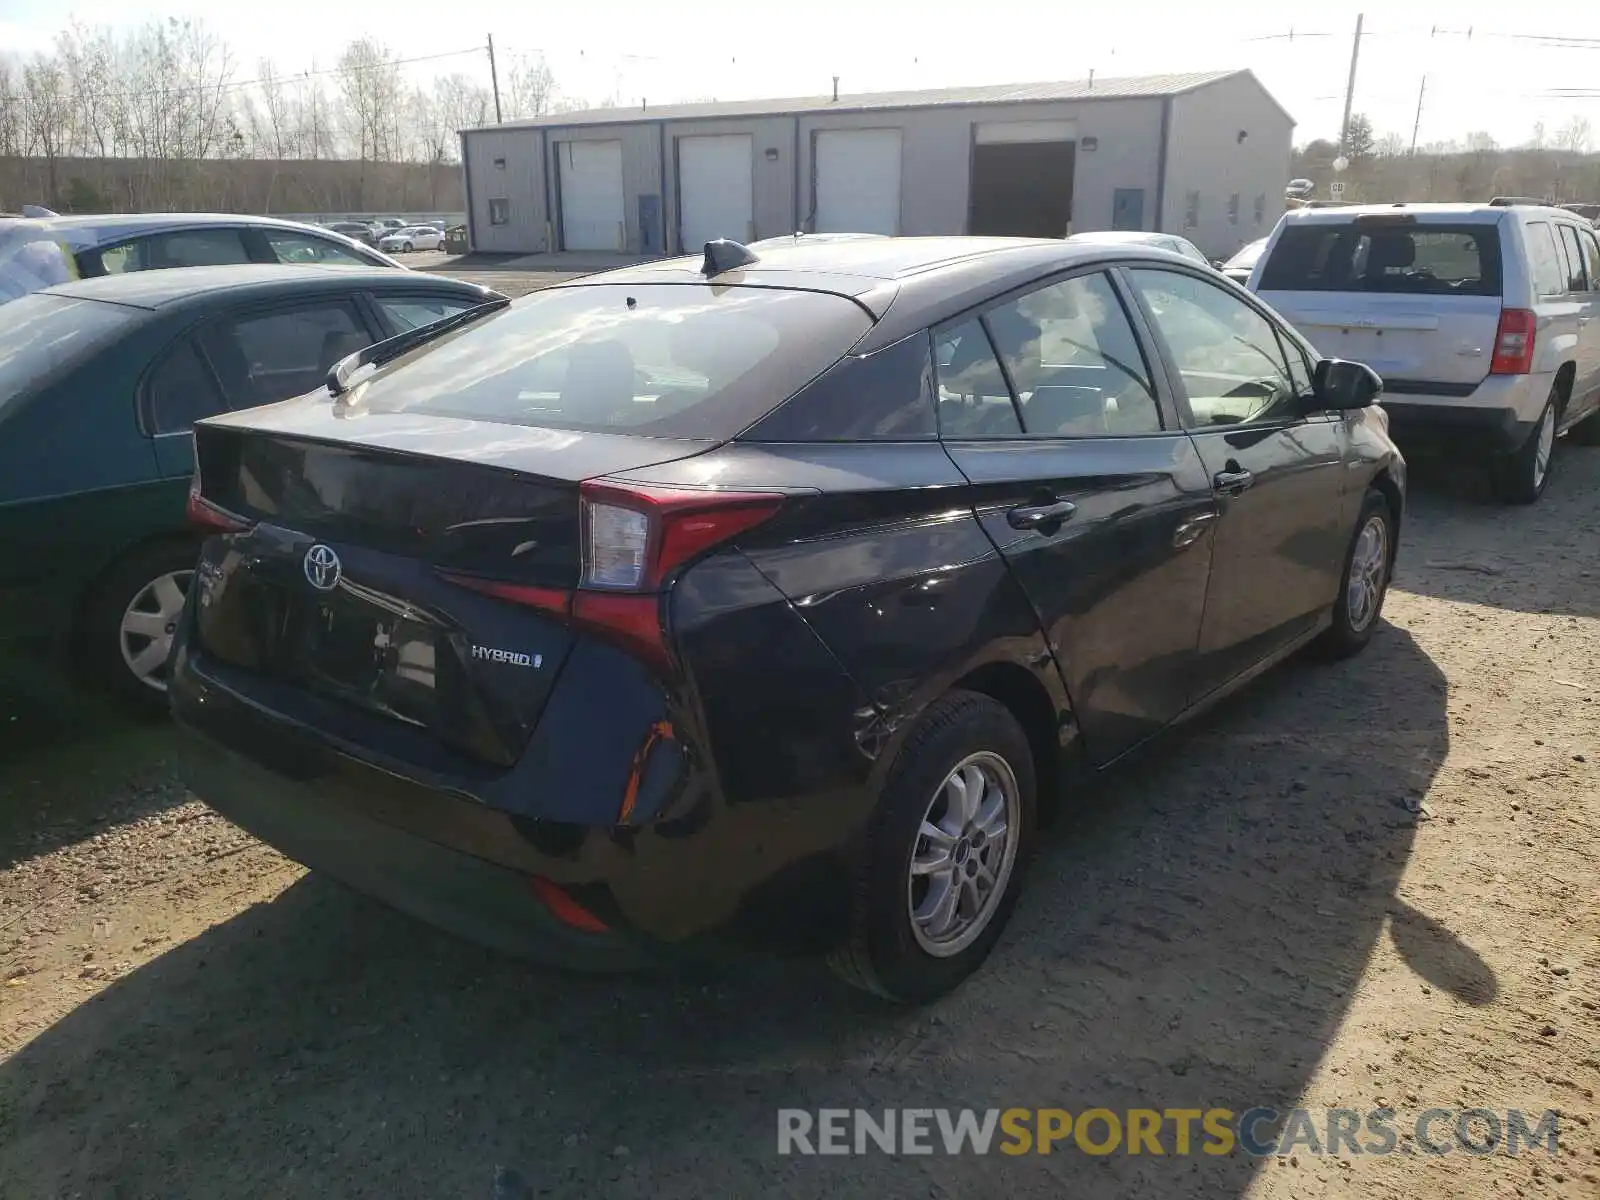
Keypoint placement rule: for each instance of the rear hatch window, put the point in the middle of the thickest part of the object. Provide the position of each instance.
(658, 360)
(41, 334)
(1385, 257)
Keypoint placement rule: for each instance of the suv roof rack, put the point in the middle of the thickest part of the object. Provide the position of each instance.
(1514, 201)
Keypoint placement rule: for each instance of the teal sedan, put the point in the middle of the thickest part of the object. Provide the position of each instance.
(100, 381)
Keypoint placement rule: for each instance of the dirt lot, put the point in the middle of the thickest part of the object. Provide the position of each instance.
(1256, 915)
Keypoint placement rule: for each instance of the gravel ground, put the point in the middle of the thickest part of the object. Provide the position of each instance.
(1257, 914)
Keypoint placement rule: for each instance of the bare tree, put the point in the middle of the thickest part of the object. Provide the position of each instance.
(1537, 140)
(11, 135)
(1481, 142)
(1575, 135)
(531, 89)
(46, 115)
(89, 59)
(369, 81)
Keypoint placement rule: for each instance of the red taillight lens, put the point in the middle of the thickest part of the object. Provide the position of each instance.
(1513, 343)
(635, 536)
(207, 517)
(564, 907)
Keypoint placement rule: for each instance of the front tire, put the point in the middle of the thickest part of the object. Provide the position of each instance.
(129, 621)
(1521, 476)
(1368, 564)
(943, 864)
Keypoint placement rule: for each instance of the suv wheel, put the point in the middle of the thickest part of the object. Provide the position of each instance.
(1523, 474)
(129, 620)
(944, 861)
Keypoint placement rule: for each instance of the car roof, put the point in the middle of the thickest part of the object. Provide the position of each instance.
(908, 283)
(177, 285)
(1424, 213)
(1125, 236)
(98, 228)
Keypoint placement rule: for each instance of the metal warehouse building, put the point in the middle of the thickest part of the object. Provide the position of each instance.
(1204, 155)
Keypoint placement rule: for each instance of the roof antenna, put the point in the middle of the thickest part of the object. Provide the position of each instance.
(836, 89)
(723, 254)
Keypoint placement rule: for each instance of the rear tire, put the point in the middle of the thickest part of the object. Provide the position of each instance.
(1521, 476)
(944, 860)
(129, 619)
(1368, 564)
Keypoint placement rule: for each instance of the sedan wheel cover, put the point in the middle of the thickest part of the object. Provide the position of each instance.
(1545, 447)
(148, 625)
(1368, 564)
(965, 852)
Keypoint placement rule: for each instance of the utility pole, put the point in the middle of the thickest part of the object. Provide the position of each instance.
(494, 78)
(1417, 124)
(1350, 89)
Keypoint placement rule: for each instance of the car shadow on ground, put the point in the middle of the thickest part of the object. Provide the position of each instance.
(1540, 558)
(1191, 937)
(73, 762)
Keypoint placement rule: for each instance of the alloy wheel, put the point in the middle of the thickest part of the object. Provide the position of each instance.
(1545, 447)
(1368, 563)
(966, 850)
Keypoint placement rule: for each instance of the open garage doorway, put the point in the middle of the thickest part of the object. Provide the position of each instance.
(1022, 179)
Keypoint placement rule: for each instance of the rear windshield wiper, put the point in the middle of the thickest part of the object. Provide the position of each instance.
(389, 349)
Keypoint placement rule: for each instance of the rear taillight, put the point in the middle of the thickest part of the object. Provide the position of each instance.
(634, 538)
(207, 517)
(1513, 343)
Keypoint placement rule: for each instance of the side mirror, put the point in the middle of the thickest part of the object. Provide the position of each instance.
(1339, 384)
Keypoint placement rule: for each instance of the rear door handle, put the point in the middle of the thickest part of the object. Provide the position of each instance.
(1231, 483)
(1041, 516)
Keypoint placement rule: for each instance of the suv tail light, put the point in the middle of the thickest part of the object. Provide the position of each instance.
(1513, 343)
(634, 537)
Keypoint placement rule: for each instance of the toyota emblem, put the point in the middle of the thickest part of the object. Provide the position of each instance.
(322, 568)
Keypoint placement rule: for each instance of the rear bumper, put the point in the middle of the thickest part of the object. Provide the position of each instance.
(1422, 430)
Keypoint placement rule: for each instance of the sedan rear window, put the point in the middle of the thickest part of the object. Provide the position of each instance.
(1404, 259)
(41, 333)
(658, 360)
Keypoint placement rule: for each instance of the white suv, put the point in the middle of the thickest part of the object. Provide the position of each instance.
(1481, 318)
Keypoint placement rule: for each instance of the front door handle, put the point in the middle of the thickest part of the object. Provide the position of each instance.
(1044, 517)
(1231, 483)
(1188, 533)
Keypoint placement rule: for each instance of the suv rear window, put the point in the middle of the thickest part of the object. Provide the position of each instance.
(1376, 256)
(659, 360)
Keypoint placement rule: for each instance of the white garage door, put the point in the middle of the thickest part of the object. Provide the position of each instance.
(591, 195)
(716, 191)
(858, 181)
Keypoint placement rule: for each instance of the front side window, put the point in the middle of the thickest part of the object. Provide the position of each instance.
(181, 390)
(292, 247)
(1227, 353)
(1074, 361)
(267, 357)
(974, 398)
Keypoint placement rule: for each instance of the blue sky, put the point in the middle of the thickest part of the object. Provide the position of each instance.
(1500, 79)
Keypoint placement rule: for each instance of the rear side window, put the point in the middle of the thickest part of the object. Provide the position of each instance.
(194, 248)
(1549, 272)
(406, 313)
(658, 360)
(1387, 257)
(291, 247)
(1577, 275)
(885, 396)
(181, 390)
(1591, 253)
(974, 398)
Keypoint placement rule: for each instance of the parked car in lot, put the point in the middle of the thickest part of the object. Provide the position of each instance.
(773, 595)
(99, 383)
(1169, 242)
(358, 230)
(1244, 261)
(85, 247)
(412, 237)
(1480, 318)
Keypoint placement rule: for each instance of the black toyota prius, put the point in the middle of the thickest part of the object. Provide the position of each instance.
(772, 596)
